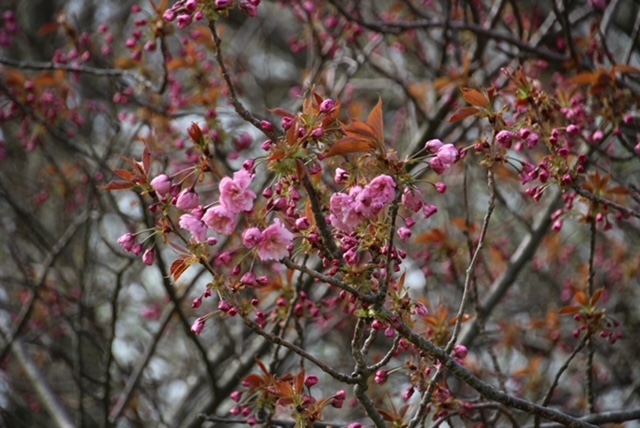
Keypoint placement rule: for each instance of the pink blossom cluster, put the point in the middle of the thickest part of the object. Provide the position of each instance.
(272, 243)
(445, 155)
(235, 197)
(348, 210)
(184, 12)
(9, 30)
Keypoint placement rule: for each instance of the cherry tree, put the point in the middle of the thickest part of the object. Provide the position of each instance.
(319, 213)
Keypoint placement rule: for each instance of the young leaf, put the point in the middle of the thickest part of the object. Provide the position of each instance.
(475, 98)
(376, 122)
(463, 113)
(349, 145)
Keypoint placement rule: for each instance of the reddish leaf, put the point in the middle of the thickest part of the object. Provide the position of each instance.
(146, 158)
(125, 175)
(463, 113)
(569, 310)
(300, 382)
(119, 185)
(360, 130)
(581, 298)
(475, 98)
(281, 112)
(596, 296)
(285, 388)
(584, 79)
(178, 267)
(349, 145)
(376, 122)
(253, 381)
(401, 280)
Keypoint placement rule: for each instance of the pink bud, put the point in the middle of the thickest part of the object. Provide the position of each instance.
(127, 241)
(311, 381)
(421, 310)
(433, 145)
(573, 130)
(460, 351)
(303, 223)
(198, 326)
(161, 184)
(441, 187)
(404, 233)
(266, 126)
(149, 257)
(327, 106)
(224, 306)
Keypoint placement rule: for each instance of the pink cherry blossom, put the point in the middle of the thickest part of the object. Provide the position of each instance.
(446, 155)
(275, 242)
(412, 199)
(433, 145)
(382, 189)
(404, 233)
(195, 226)
(504, 138)
(343, 214)
(198, 326)
(251, 237)
(188, 199)
(161, 184)
(327, 105)
(221, 220)
(127, 241)
(149, 257)
(235, 194)
(342, 176)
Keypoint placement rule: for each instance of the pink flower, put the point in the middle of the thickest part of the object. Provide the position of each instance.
(236, 396)
(169, 15)
(221, 220)
(441, 187)
(446, 156)
(195, 226)
(235, 194)
(251, 237)
(188, 199)
(275, 242)
(505, 138)
(303, 223)
(412, 199)
(381, 377)
(404, 233)
(460, 351)
(327, 105)
(191, 6)
(342, 176)
(161, 184)
(573, 130)
(421, 310)
(198, 326)
(184, 21)
(343, 213)
(222, 4)
(433, 145)
(429, 210)
(127, 241)
(149, 257)
(382, 189)
(311, 381)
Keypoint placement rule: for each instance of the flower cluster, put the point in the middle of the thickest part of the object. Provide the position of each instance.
(348, 210)
(445, 155)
